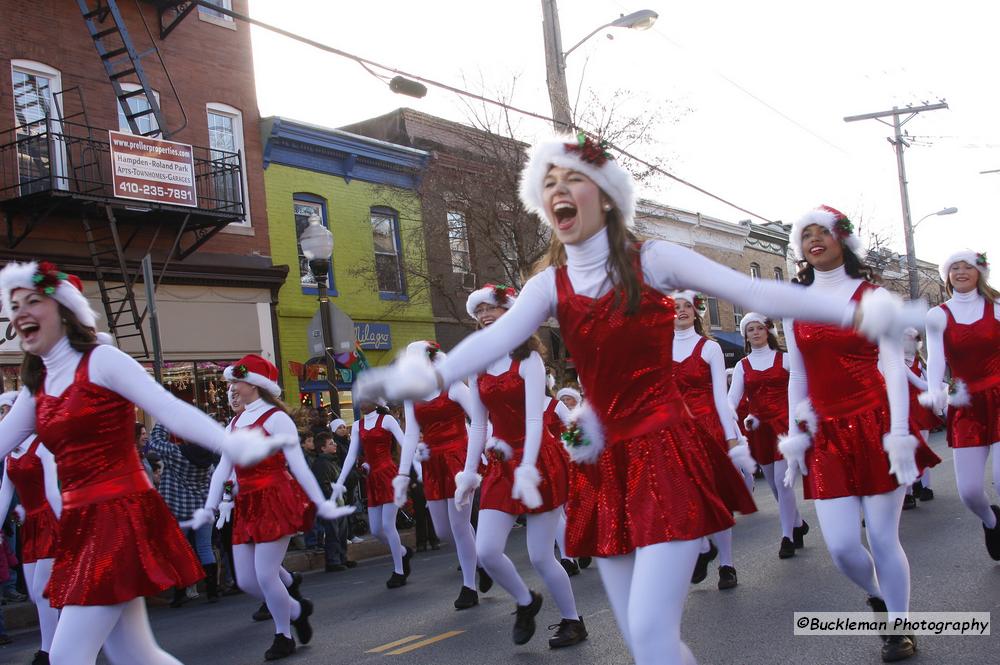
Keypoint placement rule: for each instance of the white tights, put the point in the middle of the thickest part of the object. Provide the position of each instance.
(382, 522)
(36, 577)
(258, 572)
(888, 576)
(647, 589)
(448, 518)
(724, 541)
(788, 511)
(122, 629)
(491, 540)
(970, 467)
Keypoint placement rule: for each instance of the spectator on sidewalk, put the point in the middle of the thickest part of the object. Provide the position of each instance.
(7, 559)
(327, 470)
(342, 437)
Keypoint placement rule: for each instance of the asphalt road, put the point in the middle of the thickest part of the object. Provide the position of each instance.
(359, 621)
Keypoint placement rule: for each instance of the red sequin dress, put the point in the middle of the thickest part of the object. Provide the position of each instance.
(40, 531)
(921, 417)
(270, 504)
(657, 478)
(972, 351)
(117, 538)
(766, 392)
(503, 396)
(551, 420)
(376, 443)
(442, 425)
(849, 397)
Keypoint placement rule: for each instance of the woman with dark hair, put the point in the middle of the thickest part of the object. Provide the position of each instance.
(271, 505)
(852, 441)
(373, 435)
(117, 540)
(642, 501)
(760, 384)
(700, 373)
(963, 335)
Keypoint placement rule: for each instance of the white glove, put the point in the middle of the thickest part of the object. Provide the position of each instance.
(751, 422)
(225, 513)
(935, 399)
(741, 457)
(466, 483)
(526, 482)
(793, 448)
(400, 488)
(199, 518)
(500, 447)
(246, 447)
(329, 510)
(423, 452)
(884, 314)
(19, 511)
(366, 467)
(411, 377)
(338, 491)
(902, 461)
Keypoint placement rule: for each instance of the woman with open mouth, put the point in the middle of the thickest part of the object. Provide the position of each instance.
(964, 335)
(851, 439)
(643, 492)
(118, 541)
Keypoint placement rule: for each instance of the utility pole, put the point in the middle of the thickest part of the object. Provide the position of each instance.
(555, 68)
(898, 142)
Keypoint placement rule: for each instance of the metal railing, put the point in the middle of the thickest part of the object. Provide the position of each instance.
(65, 157)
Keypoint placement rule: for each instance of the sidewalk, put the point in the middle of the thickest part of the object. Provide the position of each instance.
(23, 615)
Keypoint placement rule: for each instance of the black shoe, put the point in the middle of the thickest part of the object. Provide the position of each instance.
(993, 536)
(212, 581)
(880, 610)
(571, 567)
(41, 658)
(293, 588)
(798, 533)
(466, 598)
(701, 565)
(396, 580)
(335, 568)
(584, 562)
(421, 547)
(485, 581)
(926, 494)
(262, 613)
(282, 647)
(727, 578)
(350, 564)
(302, 627)
(568, 633)
(524, 623)
(180, 597)
(909, 502)
(787, 549)
(898, 647)
(406, 561)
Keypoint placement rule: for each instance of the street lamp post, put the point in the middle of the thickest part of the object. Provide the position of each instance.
(911, 255)
(317, 246)
(555, 58)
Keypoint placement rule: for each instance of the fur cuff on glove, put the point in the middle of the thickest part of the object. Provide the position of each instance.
(794, 445)
(468, 480)
(400, 488)
(526, 482)
(584, 438)
(751, 422)
(499, 448)
(899, 443)
(805, 418)
(935, 400)
(958, 394)
(741, 457)
(885, 314)
(423, 452)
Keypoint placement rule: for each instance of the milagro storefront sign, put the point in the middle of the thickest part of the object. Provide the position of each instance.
(153, 170)
(373, 336)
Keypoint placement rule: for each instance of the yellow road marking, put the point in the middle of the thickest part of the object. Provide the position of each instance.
(386, 647)
(422, 643)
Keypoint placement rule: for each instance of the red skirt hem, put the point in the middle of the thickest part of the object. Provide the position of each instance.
(439, 472)
(977, 424)
(271, 512)
(764, 441)
(39, 536)
(498, 482)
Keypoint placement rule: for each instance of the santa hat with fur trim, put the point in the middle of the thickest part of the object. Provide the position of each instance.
(256, 371)
(500, 295)
(975, 259)
(833, 220)
(431, 348)
(48, 280)
(571, 392)
(696, 299)
(752, 317)
(582, 154)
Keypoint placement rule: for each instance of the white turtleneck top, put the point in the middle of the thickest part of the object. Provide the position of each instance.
(277, 423)
(119, 373)
(665, 267)
(684, 343)
(966, 308)
(760, 359)
(368, 422)
(457, 392)
(840, 287)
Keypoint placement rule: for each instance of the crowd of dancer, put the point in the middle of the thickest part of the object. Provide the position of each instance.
(641, 470)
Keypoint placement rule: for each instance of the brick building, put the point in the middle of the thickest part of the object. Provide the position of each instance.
(70, 74)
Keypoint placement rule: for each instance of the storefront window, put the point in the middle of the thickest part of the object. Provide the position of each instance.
(11, 377)
(199, 383)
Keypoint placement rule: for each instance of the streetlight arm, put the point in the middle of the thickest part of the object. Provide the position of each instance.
(579, 43)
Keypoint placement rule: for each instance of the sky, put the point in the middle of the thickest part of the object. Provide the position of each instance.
(753, 94)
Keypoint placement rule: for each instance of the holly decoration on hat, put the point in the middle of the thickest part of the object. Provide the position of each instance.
(501, 292)
(592, 152)
(48, 277)
(240, 371)
(700, 303)
(432, 349)
(981, 261)
(573, 437)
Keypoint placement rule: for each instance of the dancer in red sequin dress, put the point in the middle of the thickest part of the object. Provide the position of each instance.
(373, 436)
(117, 540)
(852, 435)
(643, 483)
(30, 470)
(439, 422)
(922, 418)
(760, 387)
(963, 335)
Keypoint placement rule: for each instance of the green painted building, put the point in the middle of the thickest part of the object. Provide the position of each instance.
(364, 191)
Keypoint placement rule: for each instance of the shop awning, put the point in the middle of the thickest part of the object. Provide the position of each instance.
(732, 346)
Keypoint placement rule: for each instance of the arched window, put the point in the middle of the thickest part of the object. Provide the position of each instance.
(755, 270)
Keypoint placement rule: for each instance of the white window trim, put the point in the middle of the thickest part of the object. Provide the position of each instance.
(455, 268)
(36, 68)
(130, 87)
(221, 21)
(226, 109)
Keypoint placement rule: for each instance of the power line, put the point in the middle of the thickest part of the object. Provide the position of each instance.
(367, 64)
